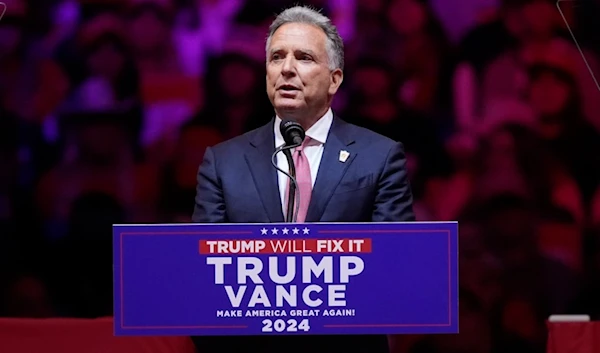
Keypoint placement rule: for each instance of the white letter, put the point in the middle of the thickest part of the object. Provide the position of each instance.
(290, 297)
(211, 244)
(306, 295)
(259, 296)
(309, 266)
(279, 245)
(290, 272)
(235, 299)
(244, 271)
(359, 243)
(219, 263)
(259, 245)
(321, 245)
(336, 291)
(346, 271)
(234, 246)
(247, 246)
(338, 245)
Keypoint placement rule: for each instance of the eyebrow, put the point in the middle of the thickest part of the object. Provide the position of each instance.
(308, 51)
(301, 51)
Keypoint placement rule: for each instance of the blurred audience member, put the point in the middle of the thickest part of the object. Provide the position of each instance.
(372, 104)
(423, 58)
(98, 157)
(149, 24)
(513, 157)
(30, 85)
(480, 46)
(504, 77)
(179, 177)
(110, 78)
(561, 237)
(479, 270)
(535, 31)
(373, 32)
(511, 223)
(234, 100)
(169, 93)
(554, 95)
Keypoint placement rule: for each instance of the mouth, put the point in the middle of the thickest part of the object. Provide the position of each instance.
(288, 88)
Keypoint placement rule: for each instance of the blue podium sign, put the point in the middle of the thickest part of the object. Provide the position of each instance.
(285, 279)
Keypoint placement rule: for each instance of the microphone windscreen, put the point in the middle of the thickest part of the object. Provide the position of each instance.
(290, 130)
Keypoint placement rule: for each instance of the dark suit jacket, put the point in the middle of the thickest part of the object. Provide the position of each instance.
(238, 184)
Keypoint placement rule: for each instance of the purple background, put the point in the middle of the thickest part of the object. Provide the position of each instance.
(169, 290)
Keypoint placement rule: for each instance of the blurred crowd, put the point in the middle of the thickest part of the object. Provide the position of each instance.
(107, 106)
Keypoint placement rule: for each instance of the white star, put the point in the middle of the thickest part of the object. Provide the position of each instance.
(274, 231)
(263, 231)
(305, 230)
(295, 230)
(285, 231)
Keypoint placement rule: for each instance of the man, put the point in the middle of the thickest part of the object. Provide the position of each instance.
(345, 173)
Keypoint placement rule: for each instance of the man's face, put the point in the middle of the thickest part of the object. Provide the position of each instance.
(299, 82)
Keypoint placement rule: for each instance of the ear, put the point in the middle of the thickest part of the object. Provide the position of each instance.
(337, 76)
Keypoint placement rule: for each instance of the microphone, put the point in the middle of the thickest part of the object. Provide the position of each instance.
(292, 132)
(293, 135)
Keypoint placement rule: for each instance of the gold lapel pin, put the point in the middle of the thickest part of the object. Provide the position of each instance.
(344, 156)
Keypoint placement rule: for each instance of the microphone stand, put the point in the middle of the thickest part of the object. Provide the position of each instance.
(292, 190)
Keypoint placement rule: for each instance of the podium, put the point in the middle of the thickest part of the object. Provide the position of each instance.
(285, 279)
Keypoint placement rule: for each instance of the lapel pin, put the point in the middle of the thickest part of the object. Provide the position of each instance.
(344, 156)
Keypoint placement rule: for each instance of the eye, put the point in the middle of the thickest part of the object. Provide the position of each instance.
(276, 56)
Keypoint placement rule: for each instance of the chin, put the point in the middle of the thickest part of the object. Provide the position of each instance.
(287, 109)
(287, 114)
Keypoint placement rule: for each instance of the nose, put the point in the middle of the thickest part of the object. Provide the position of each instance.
(288, 68)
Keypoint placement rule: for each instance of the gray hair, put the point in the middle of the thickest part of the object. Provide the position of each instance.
(334, 44)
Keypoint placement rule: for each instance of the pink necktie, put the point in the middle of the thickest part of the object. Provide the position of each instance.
(303, 179)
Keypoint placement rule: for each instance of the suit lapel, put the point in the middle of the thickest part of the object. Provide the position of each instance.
(264, 174)
(331, 169)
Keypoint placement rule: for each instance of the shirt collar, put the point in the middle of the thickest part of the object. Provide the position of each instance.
(317, 132)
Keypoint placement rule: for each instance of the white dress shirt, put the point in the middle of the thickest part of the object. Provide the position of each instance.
(313, 152)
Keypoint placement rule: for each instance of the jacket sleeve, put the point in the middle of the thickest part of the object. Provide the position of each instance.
(209, 202)
(394, 200)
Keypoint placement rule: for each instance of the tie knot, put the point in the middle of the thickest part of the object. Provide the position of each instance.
(304, 144)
